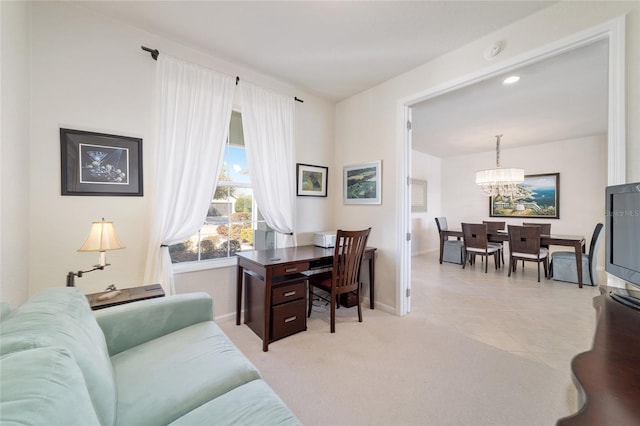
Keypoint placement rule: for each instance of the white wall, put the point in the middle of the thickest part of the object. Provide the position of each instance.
(424, 232)
(14, 154)
(88, 72)
(368, 124)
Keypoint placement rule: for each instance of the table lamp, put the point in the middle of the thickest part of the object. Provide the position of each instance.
(102, 237)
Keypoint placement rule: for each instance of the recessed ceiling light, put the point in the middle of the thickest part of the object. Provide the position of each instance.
(511, 79)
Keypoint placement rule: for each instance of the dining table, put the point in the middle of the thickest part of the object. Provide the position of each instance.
(575, 241)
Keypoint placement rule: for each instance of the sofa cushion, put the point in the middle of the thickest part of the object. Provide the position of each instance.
(44, 386)
(62, 317)
(253, 403)
(163, 379)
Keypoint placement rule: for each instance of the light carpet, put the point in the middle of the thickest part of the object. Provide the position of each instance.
(391, 370)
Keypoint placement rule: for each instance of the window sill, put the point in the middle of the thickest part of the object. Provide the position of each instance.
(203, 265)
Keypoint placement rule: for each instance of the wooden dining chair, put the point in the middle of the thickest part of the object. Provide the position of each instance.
(545, 229)
(524, 244)
(344, 276)
(492, 228)
(476, 244)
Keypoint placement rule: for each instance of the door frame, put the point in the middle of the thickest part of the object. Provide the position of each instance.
(613, 31)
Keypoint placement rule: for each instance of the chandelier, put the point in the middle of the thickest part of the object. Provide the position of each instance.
(499, 181)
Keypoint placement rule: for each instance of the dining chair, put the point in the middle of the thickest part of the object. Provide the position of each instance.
(474, 236)
(453, 249)
(524, 244)
(545, 229)
(344, 276)
(492, 228)
(563, 263)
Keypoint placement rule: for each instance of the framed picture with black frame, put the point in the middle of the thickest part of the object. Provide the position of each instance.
(100, 164)
(537, 197)
(311, 180)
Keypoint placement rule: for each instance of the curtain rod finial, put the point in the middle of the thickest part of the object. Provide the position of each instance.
(154, 52)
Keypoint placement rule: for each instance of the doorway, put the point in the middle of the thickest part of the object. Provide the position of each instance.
(612, 31)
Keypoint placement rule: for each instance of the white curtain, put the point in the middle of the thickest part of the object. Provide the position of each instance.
(195, 106)
(267, 123)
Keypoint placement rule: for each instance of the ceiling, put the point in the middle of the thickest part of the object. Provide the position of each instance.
(560, 98)
(336, 49)
(331, 48)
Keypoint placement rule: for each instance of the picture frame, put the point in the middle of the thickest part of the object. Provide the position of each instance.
(362, 183)
(311, 180)
(538, 197)
(418, 195)
(100, 164)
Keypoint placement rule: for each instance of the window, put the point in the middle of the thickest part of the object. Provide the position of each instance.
(233, 222)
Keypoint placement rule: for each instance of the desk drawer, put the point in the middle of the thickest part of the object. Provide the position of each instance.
(288, 293)
(290, 269)
(288, 319)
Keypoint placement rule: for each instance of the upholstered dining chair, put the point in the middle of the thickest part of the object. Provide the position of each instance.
(344, 276)
(453, 249)
(524, 244)
(476, 244)
(563, 263)
(492, 228)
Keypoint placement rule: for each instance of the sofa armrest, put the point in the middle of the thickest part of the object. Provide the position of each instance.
(129, 325)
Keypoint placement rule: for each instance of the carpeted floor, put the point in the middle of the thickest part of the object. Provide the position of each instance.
(421, 370)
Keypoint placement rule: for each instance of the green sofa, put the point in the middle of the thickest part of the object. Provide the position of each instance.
(155, 362)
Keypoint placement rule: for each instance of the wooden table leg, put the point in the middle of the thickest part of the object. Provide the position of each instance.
(239, 278)
(266, 336)
(372, 279)
(578, 249)
(441, 247)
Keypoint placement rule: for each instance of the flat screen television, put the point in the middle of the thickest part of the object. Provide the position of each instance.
(622, 247)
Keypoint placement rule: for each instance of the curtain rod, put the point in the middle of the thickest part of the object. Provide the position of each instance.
(155, 52)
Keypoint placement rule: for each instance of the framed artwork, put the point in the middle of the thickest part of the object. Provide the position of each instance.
(418, 195)
(362, 183)
(537, 196)
(312, 180)
(100, 164)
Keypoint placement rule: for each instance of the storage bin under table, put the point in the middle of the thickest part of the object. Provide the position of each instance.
(287, 308)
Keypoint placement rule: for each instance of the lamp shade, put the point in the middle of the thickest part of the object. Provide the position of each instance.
(102, 237)
(499, 176)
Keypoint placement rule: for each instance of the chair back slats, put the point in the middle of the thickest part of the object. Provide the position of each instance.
(545, 228)
(347, 258)
(493, 226)
(475, 235)
(524, 239)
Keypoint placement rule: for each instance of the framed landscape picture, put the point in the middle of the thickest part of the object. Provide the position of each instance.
(100, 164)
(362, 183)
(311, 180)
(538, 196)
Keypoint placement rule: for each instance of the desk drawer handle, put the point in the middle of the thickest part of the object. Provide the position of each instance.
(294, 269)
(289, 293)
(293, 318)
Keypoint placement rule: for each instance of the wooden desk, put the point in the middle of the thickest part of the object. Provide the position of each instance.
(269, 264)
(575, 241)
(607, 376)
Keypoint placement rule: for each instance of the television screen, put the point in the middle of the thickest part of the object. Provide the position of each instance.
(623, 232)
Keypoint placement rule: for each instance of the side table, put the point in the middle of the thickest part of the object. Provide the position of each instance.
(127, 295)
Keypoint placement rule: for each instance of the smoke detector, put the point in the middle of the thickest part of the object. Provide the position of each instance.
(493, 50)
